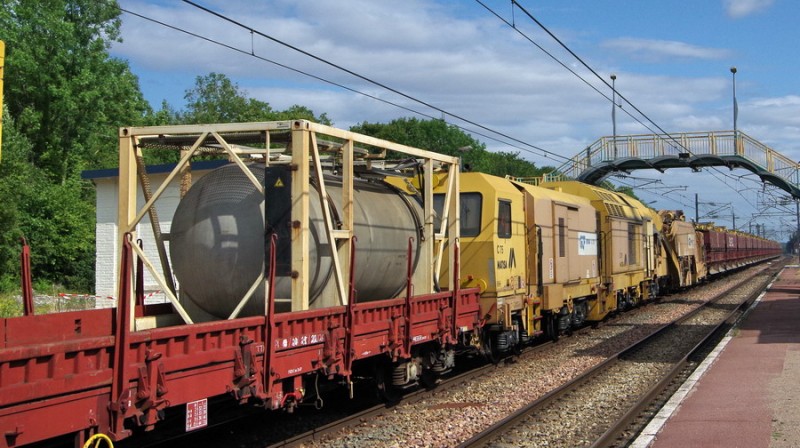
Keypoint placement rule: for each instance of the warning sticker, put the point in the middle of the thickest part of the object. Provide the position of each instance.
(196, 414)
(279, 183)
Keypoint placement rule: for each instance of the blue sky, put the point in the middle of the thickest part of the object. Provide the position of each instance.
(671, 58)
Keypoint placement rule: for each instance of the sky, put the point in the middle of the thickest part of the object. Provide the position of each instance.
(671, 58)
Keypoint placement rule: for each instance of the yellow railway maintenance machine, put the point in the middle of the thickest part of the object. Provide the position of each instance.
(493, 258)
(533, 254)
(563, 257)
(685, 252)
(631, 254)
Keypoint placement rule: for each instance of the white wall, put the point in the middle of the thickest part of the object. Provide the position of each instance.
(106, 233)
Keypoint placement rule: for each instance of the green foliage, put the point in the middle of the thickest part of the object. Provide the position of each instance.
(9, 306)
(15, 174)
(297, 112)
(66, 93)
(57, 219)
(433, 135)
(510, 163)
(216, 99)
(166, 115)
(59, 226)
(443, 138)
(66, 98)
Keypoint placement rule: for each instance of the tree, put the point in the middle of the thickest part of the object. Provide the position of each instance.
(432, 135)
(55, 219)
(298, 112)
(504, 163)
(66, 98)
(66, 93)
(166, 115)
(15, 172)
(216, 99)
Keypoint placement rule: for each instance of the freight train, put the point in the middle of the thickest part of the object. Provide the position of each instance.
(319, 256)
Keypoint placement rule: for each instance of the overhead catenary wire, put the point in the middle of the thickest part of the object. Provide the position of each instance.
(251, 52)
(579, 59)
(541, 150)
(558, 61)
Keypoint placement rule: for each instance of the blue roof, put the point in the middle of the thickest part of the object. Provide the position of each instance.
(153, 169)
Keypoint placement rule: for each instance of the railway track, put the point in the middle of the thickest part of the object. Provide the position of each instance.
(319, 434)
(610, 403)
(322, 425)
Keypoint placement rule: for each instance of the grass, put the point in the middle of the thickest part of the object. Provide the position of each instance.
(9, 306)
(11, 303)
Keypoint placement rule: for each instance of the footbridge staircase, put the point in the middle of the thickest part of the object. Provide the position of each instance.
(694, 150)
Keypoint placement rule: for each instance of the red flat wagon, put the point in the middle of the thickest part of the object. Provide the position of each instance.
(116, 370)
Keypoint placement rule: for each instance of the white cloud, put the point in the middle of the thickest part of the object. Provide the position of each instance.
(774, 121)
(741, 8)
(663, 50)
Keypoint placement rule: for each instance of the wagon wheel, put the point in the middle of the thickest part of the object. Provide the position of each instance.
(428, 379)
(551, 327)
(386, 390)
(490, 349)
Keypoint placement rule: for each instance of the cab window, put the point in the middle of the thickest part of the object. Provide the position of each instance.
(470, 212)
(504, 219)
(633, 243)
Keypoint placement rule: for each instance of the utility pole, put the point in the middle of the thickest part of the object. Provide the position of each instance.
(614, 112)
(696, 209)
(735, 105)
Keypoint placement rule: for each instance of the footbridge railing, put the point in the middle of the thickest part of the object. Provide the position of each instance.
(733, 149)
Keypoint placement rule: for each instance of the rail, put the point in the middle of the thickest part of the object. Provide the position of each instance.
(321, 433)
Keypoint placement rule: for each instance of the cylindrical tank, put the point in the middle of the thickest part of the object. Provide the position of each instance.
(217, 241)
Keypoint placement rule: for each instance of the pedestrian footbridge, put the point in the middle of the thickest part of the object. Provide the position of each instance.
(695, 150)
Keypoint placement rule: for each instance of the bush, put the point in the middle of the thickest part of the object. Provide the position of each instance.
(10, 306)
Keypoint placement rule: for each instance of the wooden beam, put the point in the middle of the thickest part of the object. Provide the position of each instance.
(301, 217)
(328, 221)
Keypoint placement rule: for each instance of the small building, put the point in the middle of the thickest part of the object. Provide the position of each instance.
(107, 257)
